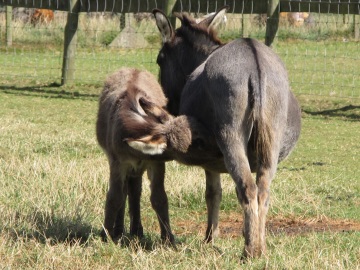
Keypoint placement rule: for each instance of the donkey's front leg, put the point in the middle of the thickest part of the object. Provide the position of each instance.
(159, 201)
(213, 196)
(115, 202)
(134, 195)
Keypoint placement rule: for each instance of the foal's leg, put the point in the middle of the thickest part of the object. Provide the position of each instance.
(134, 193)
(115, 201)
(159, 201)
(213, 196)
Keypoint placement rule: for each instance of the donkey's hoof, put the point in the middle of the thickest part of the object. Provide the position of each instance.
(250, 252)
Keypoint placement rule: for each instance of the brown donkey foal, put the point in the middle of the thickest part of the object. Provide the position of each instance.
(121, 116)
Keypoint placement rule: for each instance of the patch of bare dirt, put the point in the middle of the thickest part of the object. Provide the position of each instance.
(231, 225)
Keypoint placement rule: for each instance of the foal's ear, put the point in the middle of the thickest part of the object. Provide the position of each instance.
(150, 145)
(214, 19)
(164, 25)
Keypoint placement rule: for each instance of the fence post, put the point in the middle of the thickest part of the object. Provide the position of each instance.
(245, 23)
(122, 21)
(8, 25)
(272, 22)
(70, 41)
(356, 27)
(168, 7)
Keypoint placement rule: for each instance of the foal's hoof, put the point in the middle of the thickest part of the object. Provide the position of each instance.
(104, 235)
(113, 236)
(169, 241)
(208, 239)
(137, 232)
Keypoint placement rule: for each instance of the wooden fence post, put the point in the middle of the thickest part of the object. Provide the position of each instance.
(245, 25)
(70, 41)
(168, 7)
(272, 22)
(8, 25)
(356, 27)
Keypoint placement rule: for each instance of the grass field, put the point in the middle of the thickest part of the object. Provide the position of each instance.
(322, 59)
(54, 177)
(53, 180)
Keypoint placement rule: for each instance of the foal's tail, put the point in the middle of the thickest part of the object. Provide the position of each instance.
(263, 131)
(165, 131)
(144, 127)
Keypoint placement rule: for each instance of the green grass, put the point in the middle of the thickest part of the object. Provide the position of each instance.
(315, 68)
(54, 177)
(53, 181)
(322, 59)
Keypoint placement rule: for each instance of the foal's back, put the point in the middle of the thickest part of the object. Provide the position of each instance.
(120, 113)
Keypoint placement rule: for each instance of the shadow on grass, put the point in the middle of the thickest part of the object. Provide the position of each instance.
(48, 91)
(51, 229)
(345, 111)
(145, 243)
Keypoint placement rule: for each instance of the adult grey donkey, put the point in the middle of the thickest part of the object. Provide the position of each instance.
(240, 93)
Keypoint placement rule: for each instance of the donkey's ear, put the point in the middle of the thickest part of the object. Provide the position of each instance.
(164, 25)
(179, 16)
(215, 18)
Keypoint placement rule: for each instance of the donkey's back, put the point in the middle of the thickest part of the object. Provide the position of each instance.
(120, 113)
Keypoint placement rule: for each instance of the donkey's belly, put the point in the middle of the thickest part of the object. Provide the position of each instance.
(210, 159)
(214, 165)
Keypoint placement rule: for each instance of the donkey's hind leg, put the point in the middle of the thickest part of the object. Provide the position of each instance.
(213, 196)
(246, 191)
(134, 195)
(234, 149)
(159, 200)
(264, 175)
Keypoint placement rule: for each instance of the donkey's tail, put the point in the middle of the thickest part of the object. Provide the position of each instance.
(263, 131)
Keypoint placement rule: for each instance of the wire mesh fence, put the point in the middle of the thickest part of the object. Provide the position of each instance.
(321, 50)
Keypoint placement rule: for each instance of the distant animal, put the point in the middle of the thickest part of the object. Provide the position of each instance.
(42, 16)
(295, 18)
(238, 96)
(121, 116)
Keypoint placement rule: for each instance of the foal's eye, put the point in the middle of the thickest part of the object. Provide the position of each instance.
(160, 58)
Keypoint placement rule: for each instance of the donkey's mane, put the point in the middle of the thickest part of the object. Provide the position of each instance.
(190, 30)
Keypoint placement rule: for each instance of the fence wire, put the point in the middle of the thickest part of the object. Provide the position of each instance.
(321, 51)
